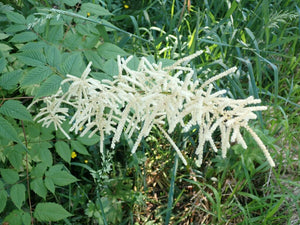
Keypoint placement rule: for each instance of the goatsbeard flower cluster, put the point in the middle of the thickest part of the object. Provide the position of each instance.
(152, 95)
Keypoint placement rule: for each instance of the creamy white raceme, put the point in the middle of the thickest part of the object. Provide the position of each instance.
(152, 95)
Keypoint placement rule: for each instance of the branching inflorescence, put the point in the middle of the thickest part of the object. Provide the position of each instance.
(137, 100)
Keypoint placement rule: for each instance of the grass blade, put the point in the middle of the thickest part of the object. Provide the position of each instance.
(171, 191)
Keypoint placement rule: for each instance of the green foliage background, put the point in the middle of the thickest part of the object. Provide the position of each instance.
(43, 41)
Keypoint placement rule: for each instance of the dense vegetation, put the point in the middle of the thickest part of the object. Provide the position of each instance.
(49, 179)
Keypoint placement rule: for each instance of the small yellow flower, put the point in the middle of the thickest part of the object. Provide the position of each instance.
(73, 155)
(88, 14)
(126, 6)
(81, 128)
(86, 161)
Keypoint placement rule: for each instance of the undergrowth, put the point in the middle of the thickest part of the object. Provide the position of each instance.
(49, 179)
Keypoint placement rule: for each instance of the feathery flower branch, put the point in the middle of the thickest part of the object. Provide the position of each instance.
(138, 100)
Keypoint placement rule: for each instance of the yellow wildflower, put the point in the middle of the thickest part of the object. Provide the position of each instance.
(88, 14)
(73, 155)
(86, 161)
(126, 6)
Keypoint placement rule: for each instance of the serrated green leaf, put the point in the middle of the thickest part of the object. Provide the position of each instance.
(111, 67)
(72, 64)
(89, 141)
(26, 218)
(10, 176)
(56, 33)
(5, 48)
(47, 133)
(24, 37)
(101, 76)
(103, 32)
(15, 28)
(90, 41)
(7, 131)
(134, 63)
(14, 218)
(49, 87)
(78, 147)
(46, 156)
(41, 145)
(59, 176)
(16, 110)
(34, 131)
(3, 36)
(9, 80)
(63, 178)
(34, 46)
(32, 57)
(37, 185)
(94, 57)
(110, 51)
(2, 63)
(49, 184)
(36, 75)
(58, 21)
(53, 56)
(63, 150)
(16, 17)
(15, 156)
(50, 212)
(17, 194)
(73, 41)
(94, 9)
(70, 2)
(3, 196)
(166, 62)
(39, 170)
(83, 29)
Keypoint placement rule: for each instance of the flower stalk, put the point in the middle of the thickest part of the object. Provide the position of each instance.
(137, 100)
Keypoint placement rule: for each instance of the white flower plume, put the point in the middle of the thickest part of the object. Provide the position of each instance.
(153, 95)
